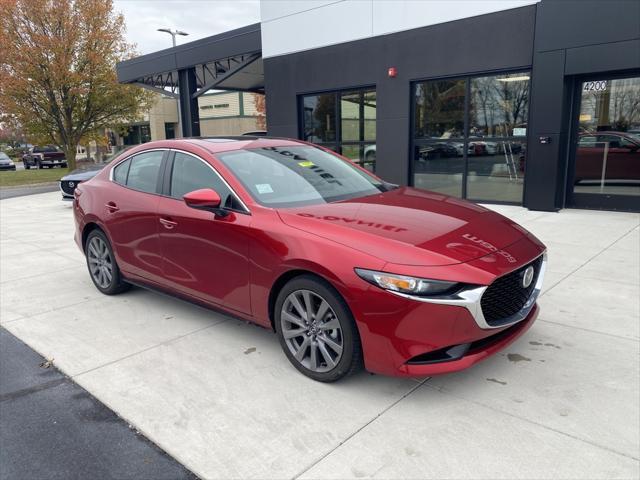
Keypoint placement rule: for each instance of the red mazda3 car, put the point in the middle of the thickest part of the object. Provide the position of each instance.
(348, 270)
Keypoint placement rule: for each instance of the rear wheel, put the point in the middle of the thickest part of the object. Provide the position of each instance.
(102, 265)
(316, 330)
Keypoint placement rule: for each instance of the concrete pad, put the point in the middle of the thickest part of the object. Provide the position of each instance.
(33, 264)
(615, 265)
(94, 333)
(573, 381)
(592, 304)
(437, 435)
(44, 293)
(226, 402)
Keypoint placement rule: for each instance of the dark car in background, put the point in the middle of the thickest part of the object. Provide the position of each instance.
(48, 156)
(6, 163)
(69, 182)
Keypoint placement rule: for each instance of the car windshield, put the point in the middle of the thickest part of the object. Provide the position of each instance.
(292, 176)
(4, 156)
(46, 149)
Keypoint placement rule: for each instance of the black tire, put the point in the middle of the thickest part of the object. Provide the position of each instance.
(350, 360)
(26, 165)
(116, 283)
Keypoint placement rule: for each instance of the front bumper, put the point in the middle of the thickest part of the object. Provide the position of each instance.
(408, 337)
(8, 167)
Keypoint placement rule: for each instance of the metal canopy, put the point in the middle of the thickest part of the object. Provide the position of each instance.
(227, 61)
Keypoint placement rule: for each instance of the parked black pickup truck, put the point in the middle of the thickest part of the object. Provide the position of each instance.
(47, 156)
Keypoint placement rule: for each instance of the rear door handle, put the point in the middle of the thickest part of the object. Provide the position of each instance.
(168, 224)
(112, 207)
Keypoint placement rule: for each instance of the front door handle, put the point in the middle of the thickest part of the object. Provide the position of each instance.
(168, 224)
(112, 207)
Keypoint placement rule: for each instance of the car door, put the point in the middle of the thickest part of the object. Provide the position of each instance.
(131, 214)
(205, 256)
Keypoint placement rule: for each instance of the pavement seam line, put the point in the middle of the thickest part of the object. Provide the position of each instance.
(589, 260)
(33, 315)
(358, 430)
(39, 274)
(546, 427)
(166, 342)
(636, 340)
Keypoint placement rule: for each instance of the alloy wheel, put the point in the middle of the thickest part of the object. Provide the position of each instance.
(311, 331)
(100, 262)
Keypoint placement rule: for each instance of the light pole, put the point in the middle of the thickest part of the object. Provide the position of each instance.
(173, 34)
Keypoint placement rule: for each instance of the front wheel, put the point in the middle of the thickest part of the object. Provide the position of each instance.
(316, 330)
(26, 165)
(102, 265)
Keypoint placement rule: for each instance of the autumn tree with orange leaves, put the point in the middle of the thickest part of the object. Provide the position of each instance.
(57, 70)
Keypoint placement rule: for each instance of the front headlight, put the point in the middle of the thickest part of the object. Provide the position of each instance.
(410, 285)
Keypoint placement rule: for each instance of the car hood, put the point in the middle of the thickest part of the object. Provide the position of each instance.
(409, 226)
(81, 175)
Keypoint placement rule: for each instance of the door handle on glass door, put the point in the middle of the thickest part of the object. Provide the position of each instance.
(168, 224)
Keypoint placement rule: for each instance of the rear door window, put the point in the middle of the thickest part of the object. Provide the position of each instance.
(144, 171)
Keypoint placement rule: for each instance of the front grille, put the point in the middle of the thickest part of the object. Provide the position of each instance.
(506, 296)
(66, 188)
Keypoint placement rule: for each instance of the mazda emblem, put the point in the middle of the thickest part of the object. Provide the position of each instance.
(71, 184)
(527, 276)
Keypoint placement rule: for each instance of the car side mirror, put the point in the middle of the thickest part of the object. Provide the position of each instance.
(205, 199)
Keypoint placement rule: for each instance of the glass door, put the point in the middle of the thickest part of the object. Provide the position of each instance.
(606, 166)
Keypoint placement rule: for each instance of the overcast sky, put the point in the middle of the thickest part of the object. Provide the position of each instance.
(199, 18)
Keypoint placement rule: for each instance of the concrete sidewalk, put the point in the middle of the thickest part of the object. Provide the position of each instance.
(219, 396)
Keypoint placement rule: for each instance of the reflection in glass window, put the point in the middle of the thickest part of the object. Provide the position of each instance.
(499, 105)
(439, 109)
(319, 118)
(190, 173)
(344, 121)
(144, 171)
(487, 162)
(607, 158)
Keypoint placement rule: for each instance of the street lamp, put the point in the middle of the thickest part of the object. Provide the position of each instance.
(173, 34)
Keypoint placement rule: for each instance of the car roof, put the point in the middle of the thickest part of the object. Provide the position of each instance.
(225, 143)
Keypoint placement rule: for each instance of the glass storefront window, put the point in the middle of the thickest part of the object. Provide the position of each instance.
(498, 105)
(344, 121)
(439, 109)
(485, 162)
(607, 152)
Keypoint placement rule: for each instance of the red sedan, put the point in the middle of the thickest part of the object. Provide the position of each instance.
(348, 270)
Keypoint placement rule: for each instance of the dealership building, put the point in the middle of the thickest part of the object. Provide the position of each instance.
(533, 103)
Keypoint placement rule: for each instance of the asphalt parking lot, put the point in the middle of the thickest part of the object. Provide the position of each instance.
(220, 397)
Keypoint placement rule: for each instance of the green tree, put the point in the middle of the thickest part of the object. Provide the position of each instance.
(57, 65)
